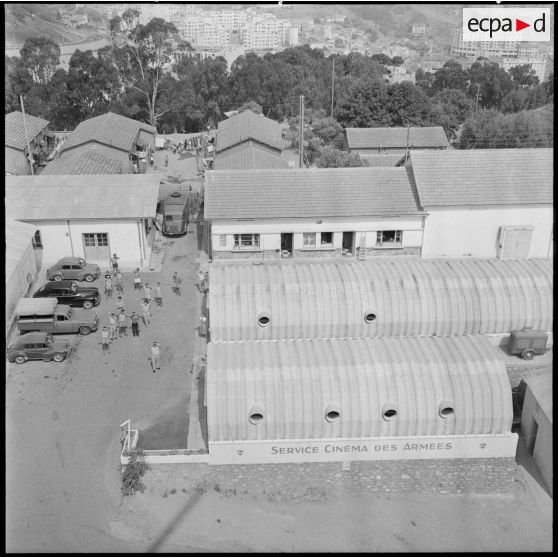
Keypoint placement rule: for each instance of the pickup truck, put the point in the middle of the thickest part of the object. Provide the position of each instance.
(45, 314)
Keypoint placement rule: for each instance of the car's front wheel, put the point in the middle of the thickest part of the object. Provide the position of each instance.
(20, 359)
(88, 277)
(87, 304)
(528, 354)
(58, 357)
(84, 330)
(57, 277)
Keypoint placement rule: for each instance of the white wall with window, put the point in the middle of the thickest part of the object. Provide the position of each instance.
(313, 234)
(455, 233)
(95, 240)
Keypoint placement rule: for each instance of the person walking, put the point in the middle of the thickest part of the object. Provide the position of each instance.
(177, 280)
(145, 311)
(114, 262)
(122, 323)
(203, 326)
(147, 292)
(205, 282)
(159, 294)
(113, 324)
(135, 324)
(201, 277)
(105, 341)
(155, 354)
(137, 279)
(119, 304)
(108, 286)
(118, 281)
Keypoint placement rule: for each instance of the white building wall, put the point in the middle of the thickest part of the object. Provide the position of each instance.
(456, 233)
(270, 231)
(127, 238)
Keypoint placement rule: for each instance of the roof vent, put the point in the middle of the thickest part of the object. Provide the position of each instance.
(389, 411)
(256, 415)
(332, 412)
(446, 409)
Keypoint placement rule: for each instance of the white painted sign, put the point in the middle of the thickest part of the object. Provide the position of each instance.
(362, 449)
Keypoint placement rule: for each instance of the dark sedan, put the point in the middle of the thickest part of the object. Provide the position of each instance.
(70, 293)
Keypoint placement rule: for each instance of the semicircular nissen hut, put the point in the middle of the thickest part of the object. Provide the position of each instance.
(379, 299)
(424, 412)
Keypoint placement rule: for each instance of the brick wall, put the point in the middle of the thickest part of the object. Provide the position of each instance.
(387, 252)
(318, 253)
(318, 480)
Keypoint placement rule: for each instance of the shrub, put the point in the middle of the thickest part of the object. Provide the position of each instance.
(133, 472)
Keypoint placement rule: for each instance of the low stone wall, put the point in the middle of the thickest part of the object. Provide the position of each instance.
(259, 255)
(317, 253)
(320, 480)
(391, 252)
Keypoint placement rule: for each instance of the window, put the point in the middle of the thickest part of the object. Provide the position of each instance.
(387, 239)
(102, 239)
(246, 241)
(222, 240)
(75, 266)
(89, 239)
(326, 239)
(168, 217)
(309, 240)
(66, 266)
(37, 240)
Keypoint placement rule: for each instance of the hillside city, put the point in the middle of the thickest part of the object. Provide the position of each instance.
(268, 260)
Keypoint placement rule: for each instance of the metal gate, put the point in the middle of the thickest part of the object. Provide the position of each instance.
(514, 242)
(96, 246)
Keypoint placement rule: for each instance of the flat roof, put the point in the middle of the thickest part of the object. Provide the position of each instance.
(106, 196)
(292, 383)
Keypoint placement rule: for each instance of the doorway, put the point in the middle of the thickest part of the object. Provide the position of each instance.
(286, 245)
(96, 246)
(348, 243)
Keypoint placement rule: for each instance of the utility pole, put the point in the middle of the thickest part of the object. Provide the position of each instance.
(29, 155)
(477, 97)
(332, 84)
(408, 137)
(301, 134)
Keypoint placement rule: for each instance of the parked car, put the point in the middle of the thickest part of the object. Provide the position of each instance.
(38, 346)
(70, 293)
(73, 268)
(176, 214)
(527, 343)
(45, 314)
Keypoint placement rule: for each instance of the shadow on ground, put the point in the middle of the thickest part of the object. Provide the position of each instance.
(170, 430)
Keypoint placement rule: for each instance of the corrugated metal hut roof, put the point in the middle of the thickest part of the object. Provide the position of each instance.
(407, 297)
(288, 193)
(14, 135)
(96, 196)
(292, 383)
(249, 157)
(248, 125)
(483, 177)
(18, 238)
(85, 163)
(375, 138)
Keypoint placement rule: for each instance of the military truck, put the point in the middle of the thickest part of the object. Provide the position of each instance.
(46, 314)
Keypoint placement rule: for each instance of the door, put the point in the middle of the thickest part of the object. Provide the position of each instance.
(348, 243)
(96, 246)
(514, 242)
(286, 243)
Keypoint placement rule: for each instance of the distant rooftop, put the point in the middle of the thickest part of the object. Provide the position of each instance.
(110, 129)
(15, 131)
(376, 138)
(109, 196)
(483, 177)
(249, 156)
(248, 125)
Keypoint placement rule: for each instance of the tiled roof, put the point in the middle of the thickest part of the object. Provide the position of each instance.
(291, 193)
(15, 131)
(86, 163)
(109, 129)
(483, 177)
(373, 138)
(383, 160)
(248, 125)
(249, 157)
(293, 383)
(100, 196)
